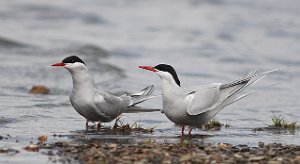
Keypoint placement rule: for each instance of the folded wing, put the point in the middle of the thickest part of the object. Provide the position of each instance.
(214, 95)
(203, 99)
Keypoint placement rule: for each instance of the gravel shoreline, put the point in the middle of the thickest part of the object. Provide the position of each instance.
(151, 152)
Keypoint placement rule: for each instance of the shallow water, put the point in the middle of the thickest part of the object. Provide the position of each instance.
(206, 41)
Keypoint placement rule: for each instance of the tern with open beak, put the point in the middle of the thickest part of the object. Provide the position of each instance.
(194, 108)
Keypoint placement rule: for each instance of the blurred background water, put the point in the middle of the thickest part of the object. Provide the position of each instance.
(205, 40)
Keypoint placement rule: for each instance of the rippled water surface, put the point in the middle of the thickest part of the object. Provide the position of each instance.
(205, 40)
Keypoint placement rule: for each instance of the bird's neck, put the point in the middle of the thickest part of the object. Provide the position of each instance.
(170, 88)
(82, 81)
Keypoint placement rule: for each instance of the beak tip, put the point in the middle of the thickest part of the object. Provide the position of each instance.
(149, 68)
(58, 65)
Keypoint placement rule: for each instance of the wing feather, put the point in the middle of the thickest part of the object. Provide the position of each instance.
(204, 99)
(211, 96)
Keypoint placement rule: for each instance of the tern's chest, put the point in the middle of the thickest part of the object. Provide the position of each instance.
(173, 98)
(174, 106)
(83, 103)
(81, 98)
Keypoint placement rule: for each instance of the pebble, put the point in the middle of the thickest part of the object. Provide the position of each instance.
(261, 144)
(186, 157)
(257, 158)
(225, 145)
(43, 138)
(32, 148)
(8, 151)
(39, 89)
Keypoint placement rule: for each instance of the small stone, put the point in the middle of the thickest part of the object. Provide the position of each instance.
(4, 150)
(245, 149)
(208, 149)
(238, 156)
(217, 158)
(258, 129)
(112, 146)
(257, 158)
(261, 144)
(224, 145)
(186, 157)
(9, 151)
(156, 151)
(272, 153)
(59, 144)
(280, 159)
(274, 162)
(42, 138)
(39, 89)
(32, 148)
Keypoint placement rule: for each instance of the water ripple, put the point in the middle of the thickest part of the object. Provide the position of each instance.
(9, 43)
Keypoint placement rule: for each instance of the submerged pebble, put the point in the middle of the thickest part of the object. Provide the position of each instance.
(8, 151)
(42, 138)
(39, 89)
(32, 148)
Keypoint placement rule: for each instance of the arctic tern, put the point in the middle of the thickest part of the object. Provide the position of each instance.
(194, 108)
(94, 103)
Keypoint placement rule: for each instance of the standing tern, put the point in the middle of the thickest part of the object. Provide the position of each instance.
(94, 103)
(194, 108)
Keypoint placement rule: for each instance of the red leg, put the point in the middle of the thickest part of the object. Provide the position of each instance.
(190, 131)
(182, 133)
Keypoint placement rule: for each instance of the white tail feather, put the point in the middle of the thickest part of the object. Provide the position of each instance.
(143, 95)
(239, 97)
(240, 85)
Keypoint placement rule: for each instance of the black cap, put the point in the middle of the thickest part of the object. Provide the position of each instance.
(170, 69)
(72, 59)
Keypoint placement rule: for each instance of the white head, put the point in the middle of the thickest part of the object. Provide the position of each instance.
(165, 71)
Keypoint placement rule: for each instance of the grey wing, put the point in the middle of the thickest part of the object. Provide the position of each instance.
(208, 98)
(204, 99)
(109, 105)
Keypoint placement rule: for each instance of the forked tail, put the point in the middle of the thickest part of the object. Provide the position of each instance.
(233, 91)
(144, 95)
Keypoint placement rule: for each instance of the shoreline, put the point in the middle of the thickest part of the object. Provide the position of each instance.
(152, 152)
(132, 144)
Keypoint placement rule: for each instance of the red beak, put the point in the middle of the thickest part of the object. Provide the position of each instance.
(149, 68)
(58, 64)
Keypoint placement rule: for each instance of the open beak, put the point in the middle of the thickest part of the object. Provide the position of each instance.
(149, 68)
(58, 64)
